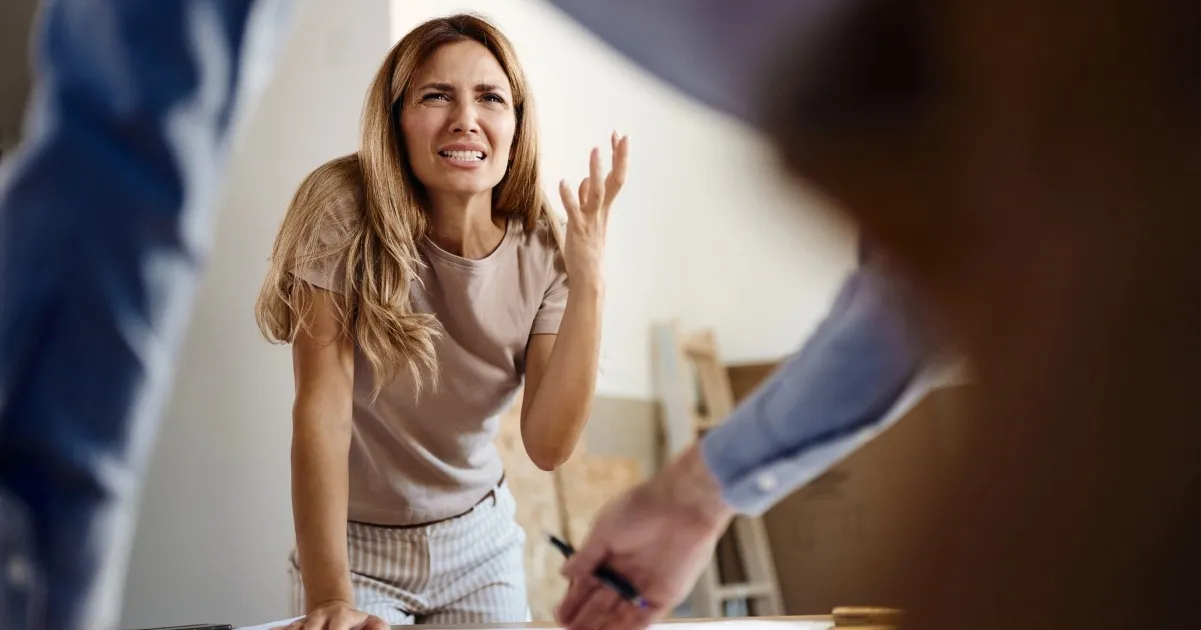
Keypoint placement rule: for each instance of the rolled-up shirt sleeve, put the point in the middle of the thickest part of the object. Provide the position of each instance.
(823, 402)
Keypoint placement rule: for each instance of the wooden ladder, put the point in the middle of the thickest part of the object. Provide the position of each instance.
(695, 395)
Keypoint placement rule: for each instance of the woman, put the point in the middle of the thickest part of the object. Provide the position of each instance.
(419, 280)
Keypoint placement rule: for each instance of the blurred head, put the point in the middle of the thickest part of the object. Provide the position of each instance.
(1042, 198)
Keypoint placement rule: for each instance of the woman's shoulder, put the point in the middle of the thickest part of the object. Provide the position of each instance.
(545, 237)
(338, 182)
(332, 195)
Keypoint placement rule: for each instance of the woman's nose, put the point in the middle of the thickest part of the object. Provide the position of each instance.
(465, 119)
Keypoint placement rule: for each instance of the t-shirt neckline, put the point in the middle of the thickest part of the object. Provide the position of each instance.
(475, 263)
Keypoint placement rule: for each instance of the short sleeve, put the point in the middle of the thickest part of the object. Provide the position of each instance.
(322, 271)
(554, 301)
(321, 262)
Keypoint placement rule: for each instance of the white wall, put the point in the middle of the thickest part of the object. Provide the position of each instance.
(704, 232)
(216, 522)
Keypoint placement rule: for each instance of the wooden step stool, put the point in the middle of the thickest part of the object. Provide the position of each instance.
(695, 395)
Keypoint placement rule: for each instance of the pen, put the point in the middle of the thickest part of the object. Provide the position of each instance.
(605, 575)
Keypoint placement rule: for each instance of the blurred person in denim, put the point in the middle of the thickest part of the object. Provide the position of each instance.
(106, 210)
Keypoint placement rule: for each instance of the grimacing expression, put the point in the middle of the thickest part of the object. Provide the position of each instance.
(459, 121)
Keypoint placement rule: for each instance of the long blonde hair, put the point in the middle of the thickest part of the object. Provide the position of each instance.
(375, 254)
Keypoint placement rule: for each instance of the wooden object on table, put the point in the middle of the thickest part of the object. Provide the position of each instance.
(866, 617)
(695, 395)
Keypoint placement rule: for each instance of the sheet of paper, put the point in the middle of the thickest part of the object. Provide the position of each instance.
(747, 624)
(716, 624)
(269, 626)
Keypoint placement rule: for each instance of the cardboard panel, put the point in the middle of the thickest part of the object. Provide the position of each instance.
(833, 540)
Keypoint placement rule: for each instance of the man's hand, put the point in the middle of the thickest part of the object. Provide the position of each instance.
(659, 536)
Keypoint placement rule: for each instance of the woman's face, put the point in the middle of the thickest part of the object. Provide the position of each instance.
(458, 121)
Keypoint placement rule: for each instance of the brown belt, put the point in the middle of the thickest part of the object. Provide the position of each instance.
(491, 494)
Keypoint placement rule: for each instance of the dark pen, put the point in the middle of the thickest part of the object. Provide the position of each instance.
(605, 575)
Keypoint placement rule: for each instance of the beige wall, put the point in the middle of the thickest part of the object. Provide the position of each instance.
(16, 17)
(625, 427)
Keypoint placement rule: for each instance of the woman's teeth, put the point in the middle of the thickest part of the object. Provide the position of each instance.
(463, 156)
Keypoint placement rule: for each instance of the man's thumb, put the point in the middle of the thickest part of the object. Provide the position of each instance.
(585, 560)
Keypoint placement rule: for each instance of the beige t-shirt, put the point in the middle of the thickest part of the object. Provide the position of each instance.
(416, 461)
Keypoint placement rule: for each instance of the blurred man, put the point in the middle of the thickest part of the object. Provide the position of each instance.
(1031, 168)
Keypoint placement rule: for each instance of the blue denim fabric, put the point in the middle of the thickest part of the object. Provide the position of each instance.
(106, 210)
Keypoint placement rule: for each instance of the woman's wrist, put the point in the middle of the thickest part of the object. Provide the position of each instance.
(592, 281)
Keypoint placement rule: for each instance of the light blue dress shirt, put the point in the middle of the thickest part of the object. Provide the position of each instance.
(823, 402)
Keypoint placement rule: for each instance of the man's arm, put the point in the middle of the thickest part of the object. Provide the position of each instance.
(106, 210)
(837, 392)
(823, 402)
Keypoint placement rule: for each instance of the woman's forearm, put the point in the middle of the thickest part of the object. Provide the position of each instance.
(563, 401)
(320, 447)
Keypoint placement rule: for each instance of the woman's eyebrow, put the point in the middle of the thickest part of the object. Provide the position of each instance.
(443, 86)
(490, 87)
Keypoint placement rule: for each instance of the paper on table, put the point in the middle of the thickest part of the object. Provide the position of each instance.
(269, 626)
(747, 623)
(715, 624)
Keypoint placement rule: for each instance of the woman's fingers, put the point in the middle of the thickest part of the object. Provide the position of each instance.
(569, 202)
(585, 188)
(596, 187)
(621, 164)
(596, 193)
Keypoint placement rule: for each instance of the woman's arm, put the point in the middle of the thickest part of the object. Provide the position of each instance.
(561, 368)
(323, 366)
(561, 378)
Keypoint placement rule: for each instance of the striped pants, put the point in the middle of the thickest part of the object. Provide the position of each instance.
(464, 570)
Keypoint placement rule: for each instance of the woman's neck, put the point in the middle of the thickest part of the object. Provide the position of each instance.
(466, 227)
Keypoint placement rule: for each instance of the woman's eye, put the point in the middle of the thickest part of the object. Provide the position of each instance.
(434, 96)
(494, 98)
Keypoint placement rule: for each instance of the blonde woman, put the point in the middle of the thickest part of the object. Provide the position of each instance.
(420, 281)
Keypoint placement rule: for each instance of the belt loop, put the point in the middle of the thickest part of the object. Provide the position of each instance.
(496, 490)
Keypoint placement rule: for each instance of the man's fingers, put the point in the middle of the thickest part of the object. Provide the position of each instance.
(596, 610)
(628, 616)
(573, 601)
(586, 559)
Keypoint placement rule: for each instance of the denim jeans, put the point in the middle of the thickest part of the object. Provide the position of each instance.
(106, 213)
